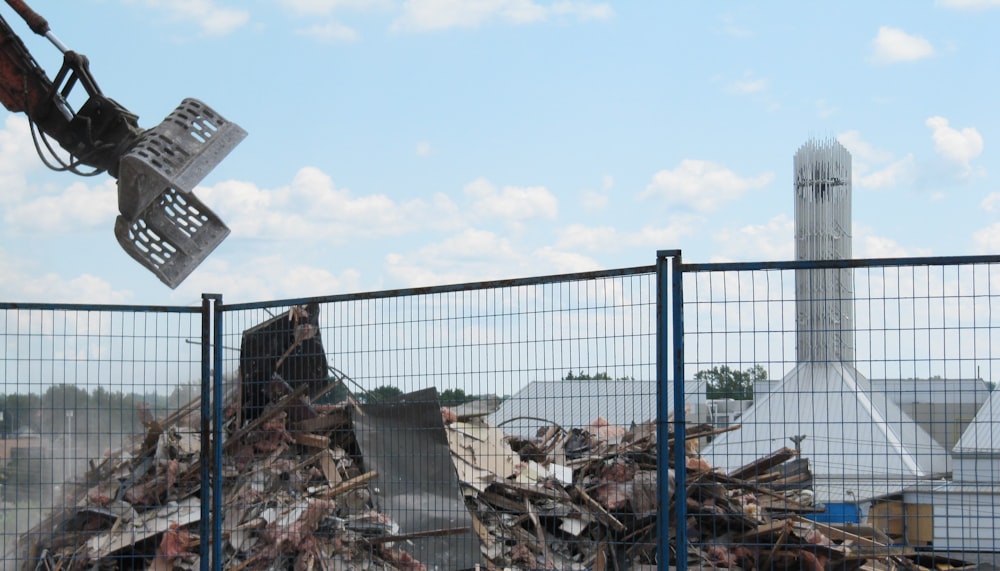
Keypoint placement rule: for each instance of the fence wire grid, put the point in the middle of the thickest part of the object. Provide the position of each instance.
(523, 424)
(83, 389)
(855, 425)
(478, 423)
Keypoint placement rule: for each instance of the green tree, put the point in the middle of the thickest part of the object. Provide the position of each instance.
(454, 397)
(725, 382)
(382, 393)
(602, 376)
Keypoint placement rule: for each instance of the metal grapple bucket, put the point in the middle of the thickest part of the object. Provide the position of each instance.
(162, 225)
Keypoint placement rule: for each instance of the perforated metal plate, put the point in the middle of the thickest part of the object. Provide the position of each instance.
(172, 236)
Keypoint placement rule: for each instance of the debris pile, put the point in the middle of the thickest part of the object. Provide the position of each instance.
(408, 485)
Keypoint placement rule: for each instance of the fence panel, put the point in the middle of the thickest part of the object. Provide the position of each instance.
(542, 457)
(860, 419)
(88, 471)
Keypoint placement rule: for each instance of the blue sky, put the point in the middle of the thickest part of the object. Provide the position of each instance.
(423, 142)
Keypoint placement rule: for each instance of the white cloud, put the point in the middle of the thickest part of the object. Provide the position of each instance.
(748, 84)
(413, 274)
(893, 45)
(330, 32)
(472, 254)
(734, 29)
(17, 157)
(876, 168)
(424, 149)
(861, 150)
(24, 281)
(992, 202)
(512, 203)
(598, 200)
(896, 173)
(265, 277)
(702, 185)
(824, 109)
(579, 237)
(773, 240)
(475, 255)
(79, 207)
(423, 15)
(554, 261)
(958, 146)
(312, 208)
(323, 7)
(213, 20)
(471, 244)
(594, 200)
(969, 4)
(987, 240)
(871, 246)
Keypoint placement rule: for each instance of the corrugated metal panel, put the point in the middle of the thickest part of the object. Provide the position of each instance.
(576, 403)
(950, 391)
(977, 468)
(964, 514)
(983, 435)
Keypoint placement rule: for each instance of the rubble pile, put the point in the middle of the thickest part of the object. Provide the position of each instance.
(408, 485)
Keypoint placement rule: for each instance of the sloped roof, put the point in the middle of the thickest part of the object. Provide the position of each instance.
(576, 403)
(850, 432)
(934, 391)
(983, 434)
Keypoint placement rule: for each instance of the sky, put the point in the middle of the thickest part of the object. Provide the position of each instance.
(404, 143)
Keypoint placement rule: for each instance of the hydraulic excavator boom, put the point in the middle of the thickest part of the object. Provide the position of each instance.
(161, 223)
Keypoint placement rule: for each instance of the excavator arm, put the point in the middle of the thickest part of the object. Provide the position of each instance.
(96, 136)
(161, 224)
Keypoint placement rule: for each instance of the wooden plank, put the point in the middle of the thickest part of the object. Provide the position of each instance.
(415, 535)
(482, 531)
(331, 420)
(540, 533)
(311, 440)
(347, 485)
(786, 529)
(599, 510)
(763, 465)
(534, 490)
(839, 534)
(328, 464)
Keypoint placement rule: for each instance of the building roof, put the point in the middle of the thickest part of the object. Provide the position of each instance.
(851, 432)
(577, 403)
(923, 391)
(934, 391)
(983, 433)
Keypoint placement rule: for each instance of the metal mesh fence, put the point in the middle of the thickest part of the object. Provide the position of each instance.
(501, 425)
(514, 424)
(874, 446)
(85, 392)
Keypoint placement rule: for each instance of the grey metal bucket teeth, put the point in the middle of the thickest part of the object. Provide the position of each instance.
(162, 225)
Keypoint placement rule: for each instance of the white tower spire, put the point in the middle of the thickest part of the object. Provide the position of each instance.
(824, 298)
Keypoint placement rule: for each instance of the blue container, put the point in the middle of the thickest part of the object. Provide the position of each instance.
(837, 513)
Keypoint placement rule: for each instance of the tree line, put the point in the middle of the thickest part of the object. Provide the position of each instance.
(66, 408)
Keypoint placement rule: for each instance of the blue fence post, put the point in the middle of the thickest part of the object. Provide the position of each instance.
(204, 526)
(669, 283)
(680, 418)
(217, 405)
